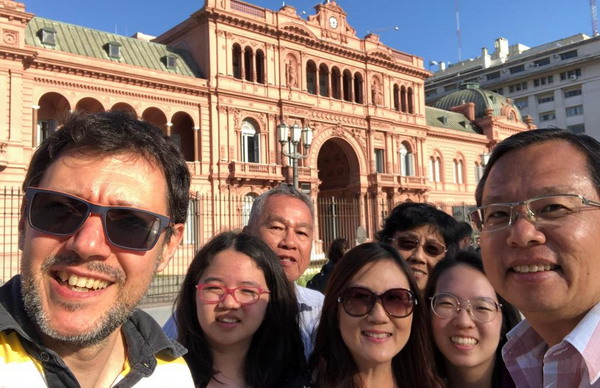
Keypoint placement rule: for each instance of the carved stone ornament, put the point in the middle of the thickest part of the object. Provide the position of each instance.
(10, 37)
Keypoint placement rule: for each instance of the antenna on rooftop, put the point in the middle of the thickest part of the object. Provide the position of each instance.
(457, 5)
(594, 17)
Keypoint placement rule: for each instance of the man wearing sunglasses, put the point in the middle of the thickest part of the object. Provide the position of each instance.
(422, 234)
(539, 225)
(105, 201)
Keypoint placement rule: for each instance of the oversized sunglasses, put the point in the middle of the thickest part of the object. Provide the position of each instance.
(406, 243)
(213, 293)
(360, 301)
(61, 214)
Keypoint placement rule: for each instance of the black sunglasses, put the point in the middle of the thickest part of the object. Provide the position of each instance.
(360, 301)
(406, 243)
(61, 214)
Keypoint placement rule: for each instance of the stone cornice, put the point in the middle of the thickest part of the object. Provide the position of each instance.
(111, 91)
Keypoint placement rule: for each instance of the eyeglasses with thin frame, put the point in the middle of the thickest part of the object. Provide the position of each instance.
(214, 293)
(542, 210)
(360, 301)
(60, 214)
(408, 243)
(446, 305)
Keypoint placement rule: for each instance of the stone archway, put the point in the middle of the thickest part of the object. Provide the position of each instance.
(338, 200)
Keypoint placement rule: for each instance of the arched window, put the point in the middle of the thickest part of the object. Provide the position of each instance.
(236, 58)
(406, 160)
(358, 88)
(458, 171)
(335, 83)
(260, 67)
(247, 202)
(323, 80)
(396, 97)
(248, 67)
(311, 77)
(435, 169)
(250, 142)
(403, 107)
(347, 85)
(411, 108)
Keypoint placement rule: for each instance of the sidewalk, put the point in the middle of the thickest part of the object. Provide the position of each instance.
(160, 312)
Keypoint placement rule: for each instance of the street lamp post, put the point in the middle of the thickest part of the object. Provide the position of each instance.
(291, 137)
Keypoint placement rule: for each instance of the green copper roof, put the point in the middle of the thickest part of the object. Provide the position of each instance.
(94, 44)
(483, 99)
(447, 119)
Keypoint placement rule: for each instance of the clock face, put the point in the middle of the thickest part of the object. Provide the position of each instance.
(333, 22)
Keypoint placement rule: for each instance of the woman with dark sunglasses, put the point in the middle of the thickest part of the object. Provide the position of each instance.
(422, 234)
(238, 317)
(374, 327)
(469, 322)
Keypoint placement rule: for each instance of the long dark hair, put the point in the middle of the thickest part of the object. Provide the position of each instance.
(331, 359)
(510, 314)
(276, 352)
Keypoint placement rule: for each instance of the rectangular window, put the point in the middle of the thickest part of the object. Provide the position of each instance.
(379, 162)
(499, 91)
(570, 75)
(547, 116)
(450, 88)
(568, 55)
(493, 75)
(517, 69)
(542, 62)
(572, 92)
(543, 81)
(521, 103)
(48, 36)
(577, 128)
(45, 129)
(542, 98)
(576, 110)
(518, 87)
(431, 93)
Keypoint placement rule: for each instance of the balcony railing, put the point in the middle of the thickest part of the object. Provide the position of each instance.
(248, 171)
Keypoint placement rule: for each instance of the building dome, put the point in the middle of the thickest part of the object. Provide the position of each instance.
(483, 100)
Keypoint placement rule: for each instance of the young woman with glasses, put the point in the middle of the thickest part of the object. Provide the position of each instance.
(469, 322)
(374, 327)
(238, 317)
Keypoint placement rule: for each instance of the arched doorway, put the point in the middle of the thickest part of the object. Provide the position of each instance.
(53, 111)
(338, 201)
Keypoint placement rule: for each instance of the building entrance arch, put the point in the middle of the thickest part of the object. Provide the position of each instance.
(338, 200)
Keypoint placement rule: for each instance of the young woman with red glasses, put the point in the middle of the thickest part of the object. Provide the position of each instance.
(374, 326)
(238, 317)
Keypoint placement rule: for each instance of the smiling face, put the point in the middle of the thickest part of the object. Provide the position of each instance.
(375, 338)
(227, 324)
(549, 272)
(421, 262)
(107, 282)
(286, 226)
(463, 341)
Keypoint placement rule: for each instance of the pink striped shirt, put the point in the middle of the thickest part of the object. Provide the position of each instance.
(574, 362)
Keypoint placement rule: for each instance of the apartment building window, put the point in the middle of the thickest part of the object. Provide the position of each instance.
(571, 74)
(576, 110)
(543, 81)
(517, 87)
(499, 91)
(431, 93)
(568, 55)
(542, 98)
(541, 62)
(516, 69)
(547, 116)
(493, 75)
(379, 162)
(450, 88)
(577, 128)
(522, 103)
(573, 92)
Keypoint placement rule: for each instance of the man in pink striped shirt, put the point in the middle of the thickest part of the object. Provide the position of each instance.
(539, 223)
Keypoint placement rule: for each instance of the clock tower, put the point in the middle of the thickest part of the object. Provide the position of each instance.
(332, 20)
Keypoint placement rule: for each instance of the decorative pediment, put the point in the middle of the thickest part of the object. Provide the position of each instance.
(381, 54)
(299, 30)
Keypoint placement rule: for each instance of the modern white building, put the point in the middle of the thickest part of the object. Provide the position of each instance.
(557, 83)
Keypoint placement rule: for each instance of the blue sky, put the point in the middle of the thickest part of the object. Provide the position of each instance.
(426, 28)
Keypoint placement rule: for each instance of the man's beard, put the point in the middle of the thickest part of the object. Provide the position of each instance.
(106, 325)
